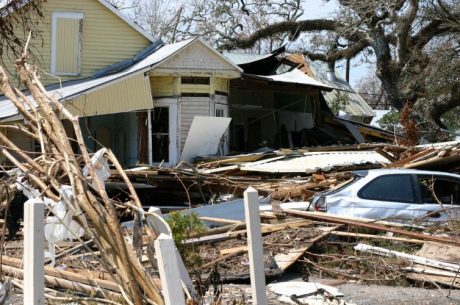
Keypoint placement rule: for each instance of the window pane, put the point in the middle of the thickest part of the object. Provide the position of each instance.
(437, 189)
(389, 188)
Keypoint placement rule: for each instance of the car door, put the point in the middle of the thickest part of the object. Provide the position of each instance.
(390, 196)
(440, 197)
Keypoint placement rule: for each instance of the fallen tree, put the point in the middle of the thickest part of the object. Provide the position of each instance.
(58, 165)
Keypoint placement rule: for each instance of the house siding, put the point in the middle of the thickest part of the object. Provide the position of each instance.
(221, 84)
(190, 107)
(198, 60)
(106, 38)
(164, 86)
(126, 95)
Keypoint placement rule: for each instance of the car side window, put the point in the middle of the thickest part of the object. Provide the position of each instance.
(397, 188)
(438, 189)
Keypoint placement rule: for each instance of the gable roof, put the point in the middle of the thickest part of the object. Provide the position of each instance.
(105, 3)
(208, 47)
(72, 89)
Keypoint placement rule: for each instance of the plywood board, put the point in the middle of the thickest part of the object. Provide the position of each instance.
(204, 137)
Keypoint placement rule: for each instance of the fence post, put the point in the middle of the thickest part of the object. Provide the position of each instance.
(163, 227)
(256, 252)
(165, 251)
(34, 274)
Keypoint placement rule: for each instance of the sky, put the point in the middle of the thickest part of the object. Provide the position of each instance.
(315, 9)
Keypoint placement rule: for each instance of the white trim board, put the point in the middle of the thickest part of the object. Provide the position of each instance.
(131, 23)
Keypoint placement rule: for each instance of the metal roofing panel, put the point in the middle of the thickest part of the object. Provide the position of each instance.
(357, 106)
(318, 161)
(294, 77)
(242, 58)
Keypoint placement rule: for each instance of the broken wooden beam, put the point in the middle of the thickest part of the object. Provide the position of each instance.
(356, 223)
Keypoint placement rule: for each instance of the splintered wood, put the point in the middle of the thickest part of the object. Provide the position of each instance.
(58, 165)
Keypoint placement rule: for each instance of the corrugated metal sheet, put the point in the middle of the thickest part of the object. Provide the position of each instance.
(356, 107)
(317, 161)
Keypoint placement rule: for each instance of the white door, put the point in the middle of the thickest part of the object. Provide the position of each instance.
(163, 133)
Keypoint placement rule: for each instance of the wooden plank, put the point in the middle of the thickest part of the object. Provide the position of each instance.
(380, 237)
(165, 250)
(413, 258)
(255, 252)
(71, 276)
(241, 249)
(34, 240)
(220, 220)
(333, 219)
(411, 158)
(274, 228)
(284, 261)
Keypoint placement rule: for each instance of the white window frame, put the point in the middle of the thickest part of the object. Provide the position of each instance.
(65, 15)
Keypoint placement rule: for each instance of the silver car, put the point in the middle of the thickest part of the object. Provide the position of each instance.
(396, 194)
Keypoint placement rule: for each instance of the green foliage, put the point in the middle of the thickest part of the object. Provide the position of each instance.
(452, 119)
(185, 226)
(340, 101)
(390, 121)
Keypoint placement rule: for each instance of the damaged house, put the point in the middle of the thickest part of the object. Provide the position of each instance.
(283, 101)
(141, 97)
(138, 97)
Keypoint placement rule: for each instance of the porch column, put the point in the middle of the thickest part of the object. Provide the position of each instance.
(149, 136)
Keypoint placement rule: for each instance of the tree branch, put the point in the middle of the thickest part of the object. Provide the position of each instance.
(277, 28)
(334, 55)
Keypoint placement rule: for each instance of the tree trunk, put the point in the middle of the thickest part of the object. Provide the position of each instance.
(438, 109)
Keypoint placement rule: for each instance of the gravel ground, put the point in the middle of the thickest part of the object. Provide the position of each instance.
(383, 295)
(359, 294)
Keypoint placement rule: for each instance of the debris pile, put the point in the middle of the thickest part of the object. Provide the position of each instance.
(72, 188)
(96, 259)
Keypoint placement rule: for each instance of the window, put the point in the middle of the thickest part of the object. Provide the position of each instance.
(195, 80)
(396, 188)
(435, 189)
(191, 94)
(66, 43)
(220, 113)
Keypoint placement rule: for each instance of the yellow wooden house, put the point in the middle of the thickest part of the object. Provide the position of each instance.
(133, 93)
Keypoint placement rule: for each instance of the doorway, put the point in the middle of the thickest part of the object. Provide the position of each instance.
(163, 133)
